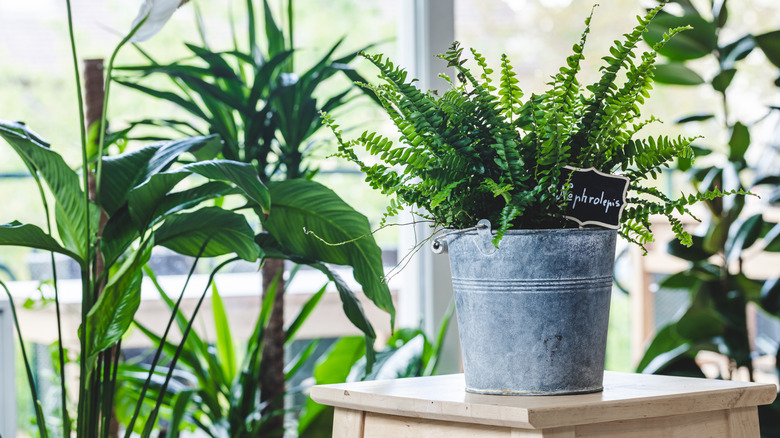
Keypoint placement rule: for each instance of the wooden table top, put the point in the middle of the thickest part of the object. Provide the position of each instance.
(625, 396)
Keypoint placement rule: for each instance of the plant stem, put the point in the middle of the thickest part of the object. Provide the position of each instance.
(41, 421)
(84, 405)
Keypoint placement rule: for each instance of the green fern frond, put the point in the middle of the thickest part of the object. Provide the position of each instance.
(509, 93)
(621, 52)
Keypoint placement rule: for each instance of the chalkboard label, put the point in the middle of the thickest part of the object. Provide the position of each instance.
(595, 198)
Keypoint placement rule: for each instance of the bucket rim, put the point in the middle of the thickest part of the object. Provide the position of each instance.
(531, 231)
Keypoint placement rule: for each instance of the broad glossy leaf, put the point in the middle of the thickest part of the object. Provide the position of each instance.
(30, 236)
(185, 199)
(686, 280)
(770, 296)
(720, 12)
(352, 307)
(739, 142)
(770, 44)
(676, 73)
(722, 80)
(146, 201)
(736, 51)
(305, 213)
(682, 365)
(691, 44)
(768, 179)
(70, 208)
(665, 347)
(111, 316)
(745, 235)
(749, 288)
(694, 253)
(223, 232)
(772, 239)
(118, 233)
(120, 174)
(700, 324)
(123, 172)
(242, 175)
(394, 362)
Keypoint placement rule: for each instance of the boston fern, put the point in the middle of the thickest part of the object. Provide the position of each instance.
(479, 150)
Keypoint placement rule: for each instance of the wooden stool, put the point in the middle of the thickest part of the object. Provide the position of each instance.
(632, 405)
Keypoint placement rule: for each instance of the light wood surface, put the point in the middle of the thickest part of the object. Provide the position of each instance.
(631, 405)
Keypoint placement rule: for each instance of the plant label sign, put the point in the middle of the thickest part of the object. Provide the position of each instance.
(595, 198)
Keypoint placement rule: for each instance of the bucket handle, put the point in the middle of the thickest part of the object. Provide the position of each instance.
(483, 240)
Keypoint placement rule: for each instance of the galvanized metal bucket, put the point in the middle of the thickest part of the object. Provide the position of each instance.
(532, 314)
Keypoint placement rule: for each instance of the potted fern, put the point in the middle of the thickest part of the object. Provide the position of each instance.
(496, 171)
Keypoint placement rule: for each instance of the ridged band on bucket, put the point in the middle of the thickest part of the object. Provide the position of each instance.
(533, 314)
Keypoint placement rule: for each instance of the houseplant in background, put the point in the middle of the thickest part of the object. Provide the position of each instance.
(471, 155)
(732, 237)
(134, 193)
(266, 113)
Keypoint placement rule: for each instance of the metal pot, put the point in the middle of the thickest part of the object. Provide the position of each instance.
(533, 313)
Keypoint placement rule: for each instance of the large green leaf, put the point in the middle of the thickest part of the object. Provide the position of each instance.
(770, 296)
(70, 208)
(352, 307)
(695, 252)
(699, 324)
(676, 73)
(770, 44)
(242, 175)
(739, 142)
(30, 236)
(310, 220)
(123, 172)
(223, 232)
(144, 201)
(665, 347)
(111, 316)
(722, 80)
(736, 51)
(691, 44)
(743, 236)
(772, 239)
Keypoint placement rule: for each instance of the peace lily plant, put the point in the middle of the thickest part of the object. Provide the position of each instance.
(110, 231)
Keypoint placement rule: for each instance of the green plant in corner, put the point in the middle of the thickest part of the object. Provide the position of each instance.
(719, 286)
(266, 113)
(408, 353)
(217, 387)
(135, 192)
(479, 150)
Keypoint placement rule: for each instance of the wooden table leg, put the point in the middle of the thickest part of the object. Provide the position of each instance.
(743, 422)
(348, 423)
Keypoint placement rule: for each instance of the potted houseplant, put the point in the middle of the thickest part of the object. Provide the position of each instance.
(498, 172)
(107, 217)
